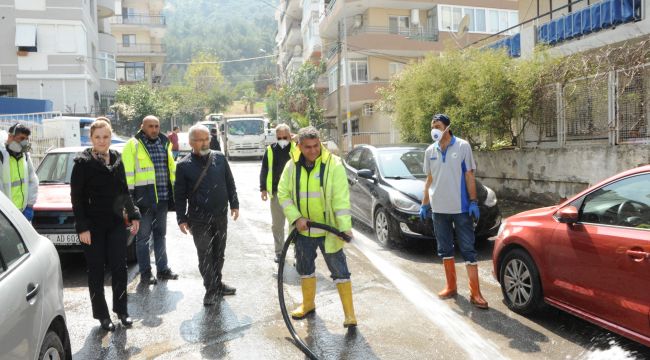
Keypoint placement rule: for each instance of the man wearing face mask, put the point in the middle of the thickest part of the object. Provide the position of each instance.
(449, 166)
(273, 163)
(19, 180)
(204, 189)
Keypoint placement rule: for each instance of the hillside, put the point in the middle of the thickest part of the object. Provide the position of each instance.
(230, 29)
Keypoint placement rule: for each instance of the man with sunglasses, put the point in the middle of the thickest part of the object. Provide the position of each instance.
(273, 163)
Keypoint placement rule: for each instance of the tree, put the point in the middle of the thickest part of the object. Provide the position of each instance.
(133, 103)
(297, 99)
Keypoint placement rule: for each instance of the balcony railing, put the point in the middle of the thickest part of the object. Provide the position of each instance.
(329, 6)
(139, 20)
(412, 33)
(140, 48)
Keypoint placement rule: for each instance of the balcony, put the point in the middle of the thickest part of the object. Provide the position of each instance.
(293, 36)
(139, 20)
(413, 33)
(105, 8)
(360, 93)
(141, 50)
(107, 43)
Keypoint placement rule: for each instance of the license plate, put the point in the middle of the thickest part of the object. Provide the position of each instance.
(64, 239)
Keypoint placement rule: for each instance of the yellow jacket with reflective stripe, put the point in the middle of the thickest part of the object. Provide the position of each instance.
(18, 179)
(140, 171)
(329, 204)
(294, 154)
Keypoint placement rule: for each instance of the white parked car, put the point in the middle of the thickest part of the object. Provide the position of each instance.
(32, 319)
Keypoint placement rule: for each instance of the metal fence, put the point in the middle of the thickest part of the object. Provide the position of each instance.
(609, 108)
(34, 122)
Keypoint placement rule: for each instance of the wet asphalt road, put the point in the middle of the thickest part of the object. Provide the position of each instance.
(394, 294)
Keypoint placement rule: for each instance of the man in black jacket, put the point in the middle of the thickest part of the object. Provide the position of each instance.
(214, 140)
(205, 183)
(275, 158)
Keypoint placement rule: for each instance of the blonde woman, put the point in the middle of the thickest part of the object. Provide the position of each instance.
(99, 199)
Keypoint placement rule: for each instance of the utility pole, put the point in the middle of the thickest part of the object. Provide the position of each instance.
(347, 80)
(339, 117)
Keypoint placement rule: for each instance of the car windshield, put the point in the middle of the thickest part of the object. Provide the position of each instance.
(246, 127)
(401, 163)
(56, 168)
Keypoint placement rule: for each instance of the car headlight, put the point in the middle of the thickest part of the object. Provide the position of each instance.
(403, 203)
(491, 198)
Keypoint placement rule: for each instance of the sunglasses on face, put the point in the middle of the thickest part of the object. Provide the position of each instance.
(283, 138)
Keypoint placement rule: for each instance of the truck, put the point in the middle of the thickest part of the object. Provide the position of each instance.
(245, 136)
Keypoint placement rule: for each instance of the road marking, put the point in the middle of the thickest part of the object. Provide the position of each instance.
(436, 310)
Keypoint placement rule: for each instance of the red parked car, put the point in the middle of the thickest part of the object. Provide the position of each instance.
(589, 256)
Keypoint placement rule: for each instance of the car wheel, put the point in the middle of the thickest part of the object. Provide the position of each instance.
(52, 348)
(520, 283)
(385, 228)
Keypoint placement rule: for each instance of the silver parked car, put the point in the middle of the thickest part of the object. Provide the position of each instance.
(32, 319)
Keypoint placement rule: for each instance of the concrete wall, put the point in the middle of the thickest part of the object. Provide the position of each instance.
(545, 176)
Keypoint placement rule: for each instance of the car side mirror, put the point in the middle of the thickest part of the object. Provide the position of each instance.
(568, 215)
(366, 174)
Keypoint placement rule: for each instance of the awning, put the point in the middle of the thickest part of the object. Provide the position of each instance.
(26, 35)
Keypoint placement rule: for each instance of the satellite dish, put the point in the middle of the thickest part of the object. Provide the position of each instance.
(463, 27)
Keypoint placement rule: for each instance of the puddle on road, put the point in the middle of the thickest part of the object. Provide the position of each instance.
(428, 304)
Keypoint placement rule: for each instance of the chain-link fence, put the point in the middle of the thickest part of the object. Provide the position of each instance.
(609, 108)
(633, 104)
(34, 122)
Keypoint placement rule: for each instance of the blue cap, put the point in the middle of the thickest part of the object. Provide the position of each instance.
(442, 118)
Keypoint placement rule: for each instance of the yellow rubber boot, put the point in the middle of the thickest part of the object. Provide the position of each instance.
(450, 274)
(345, 292)
(308, 296)
(475, 292)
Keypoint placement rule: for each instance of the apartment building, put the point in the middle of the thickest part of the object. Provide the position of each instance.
(57, 50)
(139, 26)
(384, 36)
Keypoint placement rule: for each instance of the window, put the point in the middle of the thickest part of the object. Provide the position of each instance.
(332, 79)
(395, 68)
(130, 71)
(358, 71)
(106, 65)
(353, 158)
(355, 126)
(479, 23)
(26, 37)
(367, 160)
(623, 203)
(56, 168)
(12, 247)
(128, 40)
(481, 20)
(399, 25)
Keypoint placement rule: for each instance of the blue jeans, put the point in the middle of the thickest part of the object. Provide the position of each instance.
(306, 257)
(153, 222)
(444, 226)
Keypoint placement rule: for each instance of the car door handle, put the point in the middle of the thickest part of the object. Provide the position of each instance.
(638, 255)
(32, 290)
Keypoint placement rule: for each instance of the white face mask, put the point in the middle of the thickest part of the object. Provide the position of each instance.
(436, 134)
(283, 143)
(19, 147)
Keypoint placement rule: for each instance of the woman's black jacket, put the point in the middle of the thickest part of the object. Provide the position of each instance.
(99, 193)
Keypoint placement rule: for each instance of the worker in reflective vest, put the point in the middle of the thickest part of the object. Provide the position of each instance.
(315, 188)
(150, 174)
(273, 163)
(19, 180)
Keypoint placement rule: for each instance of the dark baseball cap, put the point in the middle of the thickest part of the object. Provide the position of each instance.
(442, 118)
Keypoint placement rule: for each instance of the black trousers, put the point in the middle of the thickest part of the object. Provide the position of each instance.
(107, 249)
(210, 240)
